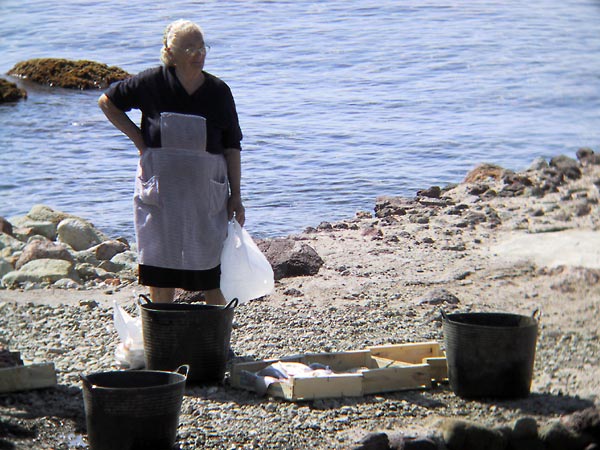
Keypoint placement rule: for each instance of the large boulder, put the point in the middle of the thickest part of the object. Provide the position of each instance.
(10, 92)
(65, 73)
(25, 227)
(5, 267)
(9, 242)
(107, 249)
(126, 260)
(79, 234)
(43, 213)
(40, 249)
(290, 258)
(39, 271)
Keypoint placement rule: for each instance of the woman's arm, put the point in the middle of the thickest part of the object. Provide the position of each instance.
(122, 122)
(234, 173)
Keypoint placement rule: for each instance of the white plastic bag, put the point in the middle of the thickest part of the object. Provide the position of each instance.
(130, 351)
(245, 272)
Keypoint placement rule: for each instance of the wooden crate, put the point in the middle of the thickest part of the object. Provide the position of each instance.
(22, 378)
(384, 369)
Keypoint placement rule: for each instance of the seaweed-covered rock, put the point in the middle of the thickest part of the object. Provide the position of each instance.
(10, 92)
(65, 73)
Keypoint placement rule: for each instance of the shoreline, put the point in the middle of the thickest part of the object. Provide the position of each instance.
(385, 277)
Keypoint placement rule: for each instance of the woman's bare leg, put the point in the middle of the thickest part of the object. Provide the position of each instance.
(162, 295)
(214, 297)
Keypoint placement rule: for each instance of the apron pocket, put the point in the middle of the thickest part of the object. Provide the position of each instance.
(147, 191)
(218, 194)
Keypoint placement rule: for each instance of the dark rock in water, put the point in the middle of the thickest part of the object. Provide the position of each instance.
(290, 258)
(10, 92)
(69, 74)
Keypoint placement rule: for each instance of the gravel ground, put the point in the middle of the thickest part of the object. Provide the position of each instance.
(383, 281)
(80, 339)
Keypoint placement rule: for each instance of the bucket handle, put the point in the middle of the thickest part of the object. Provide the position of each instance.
(444, 316)
(88, 384)
(536, 314)
(185, 368)
(233, 302)
(145, 298)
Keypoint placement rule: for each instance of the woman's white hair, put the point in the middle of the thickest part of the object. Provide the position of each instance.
(172, 34)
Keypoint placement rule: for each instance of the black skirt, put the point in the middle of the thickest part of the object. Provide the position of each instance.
(189, 280)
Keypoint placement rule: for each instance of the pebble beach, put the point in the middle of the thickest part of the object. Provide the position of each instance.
(498, 241)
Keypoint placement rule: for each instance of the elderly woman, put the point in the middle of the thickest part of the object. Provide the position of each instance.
(188, 178)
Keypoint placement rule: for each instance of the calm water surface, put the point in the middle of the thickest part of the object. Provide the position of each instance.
(339, 101)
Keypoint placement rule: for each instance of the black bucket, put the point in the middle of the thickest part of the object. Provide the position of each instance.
(133, 410)
(194, 334)
(490, 354)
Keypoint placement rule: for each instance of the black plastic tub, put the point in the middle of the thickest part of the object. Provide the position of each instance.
(195, 334)
(133, 410)
(490, 354)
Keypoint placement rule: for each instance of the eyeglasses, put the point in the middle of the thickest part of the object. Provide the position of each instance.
(193, 50)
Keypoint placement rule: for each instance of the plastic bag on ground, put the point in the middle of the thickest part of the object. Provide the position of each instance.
(130, 350)
(245, 272)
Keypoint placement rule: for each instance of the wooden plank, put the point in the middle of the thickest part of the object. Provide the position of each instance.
(438, 367)
(338, 361)
(22, 378)
(396, 379)
(382, 363)
(411, 353)
(338, 385)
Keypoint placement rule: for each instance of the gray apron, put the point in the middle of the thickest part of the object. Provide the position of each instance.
(180, 199)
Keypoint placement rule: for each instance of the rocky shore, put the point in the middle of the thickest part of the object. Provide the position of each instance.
(499, 241)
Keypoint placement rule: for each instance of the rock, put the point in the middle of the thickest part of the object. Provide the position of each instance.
(538, 163)
(6, 226)
(7, 241)
(419, 443)
(386, 206)
(66, 283)
(290, 258)
(40, 270)
(43, 213)
(374, 441)
(432, 192)
(464, 435)
(108, 249)
(587, 156)
(586, 421)
(10, 92)
(525, 428)
(515, 185)
(38, 249)
(79, 234)
(556, 436)
(567, 166)
(126, 260)
(438, 297)
(484, 173)
(5, 267)
(65, 73)
(43, 228)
